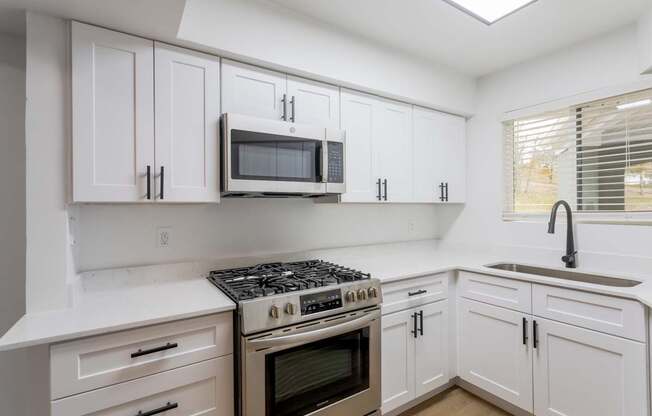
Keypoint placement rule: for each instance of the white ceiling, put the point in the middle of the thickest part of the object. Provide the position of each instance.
(434, 30)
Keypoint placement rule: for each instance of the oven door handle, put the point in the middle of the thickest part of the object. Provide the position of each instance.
(315, 335)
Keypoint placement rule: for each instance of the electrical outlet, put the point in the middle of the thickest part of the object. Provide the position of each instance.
(163, 236)
(411, 226)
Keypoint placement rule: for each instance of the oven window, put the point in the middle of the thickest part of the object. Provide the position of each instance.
(305, 378)
(261, 156)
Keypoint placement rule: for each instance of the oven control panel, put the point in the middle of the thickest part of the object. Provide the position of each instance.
(320, 302)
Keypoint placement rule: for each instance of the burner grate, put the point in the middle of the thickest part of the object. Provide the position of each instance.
(274, 278)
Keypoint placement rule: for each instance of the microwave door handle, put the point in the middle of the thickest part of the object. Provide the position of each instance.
(315, 335)
(324, 161)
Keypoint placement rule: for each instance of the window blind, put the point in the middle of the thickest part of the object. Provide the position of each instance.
(597, 156)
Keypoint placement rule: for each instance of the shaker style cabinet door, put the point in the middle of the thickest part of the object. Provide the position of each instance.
(580, 372)
(112, 115)
(187, 125)
(359, 118)
(254, 91)
(393, 127)
(494, 353)
(431, 357)
(439, 157)
(398, 383)
(312, 102)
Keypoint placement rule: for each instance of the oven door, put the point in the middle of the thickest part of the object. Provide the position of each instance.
(270, 156)
(329, 368)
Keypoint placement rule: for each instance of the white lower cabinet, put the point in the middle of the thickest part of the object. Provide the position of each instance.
(203, 389)
(494, 352)
(580, 372)
(414, 353)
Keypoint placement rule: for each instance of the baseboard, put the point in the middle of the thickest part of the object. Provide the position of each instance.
(488, 397)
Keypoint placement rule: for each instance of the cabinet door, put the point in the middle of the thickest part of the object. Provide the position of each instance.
(253, 91)
(431, 348)
(359, 115)
(439, 156)
(187, 125)
(112, 115)
(397, 359)
(394, 135)
(311, 102)
(492, 354)
(580, 372)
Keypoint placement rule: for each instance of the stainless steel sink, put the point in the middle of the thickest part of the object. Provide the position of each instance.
(565, 274)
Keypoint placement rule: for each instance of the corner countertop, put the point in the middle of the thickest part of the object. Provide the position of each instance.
(114, 300)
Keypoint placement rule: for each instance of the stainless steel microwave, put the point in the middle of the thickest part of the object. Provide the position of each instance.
(262, 157)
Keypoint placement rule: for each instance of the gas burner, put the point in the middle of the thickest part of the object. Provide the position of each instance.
(274, 278)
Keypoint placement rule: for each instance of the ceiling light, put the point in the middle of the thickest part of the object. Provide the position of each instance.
(489, 11)
(634, 104)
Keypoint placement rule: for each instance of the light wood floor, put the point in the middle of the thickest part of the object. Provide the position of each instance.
(455, 402)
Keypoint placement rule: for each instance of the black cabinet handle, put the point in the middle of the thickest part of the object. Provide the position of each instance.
(421, 323)
(385, 185)
(379, 190)
(284, 101)
(524, 331)
(167, 346)
(535, 335)
(441, 191)
(414, 322)
(446, 192)
(418, 292)
(162, 181)
(149, 182)
(292, 102)
(165, 408)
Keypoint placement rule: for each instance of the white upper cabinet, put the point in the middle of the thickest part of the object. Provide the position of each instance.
(187, 125)
(359, 113)
(439, 157)
(311, 102)
(394, 150)
(254, 91)
(580, 372)
(113, 115)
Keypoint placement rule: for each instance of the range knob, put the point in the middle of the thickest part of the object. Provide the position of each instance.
(290, 309)
(274, 312)
(350, 296)
(373, 292)
(362, 294)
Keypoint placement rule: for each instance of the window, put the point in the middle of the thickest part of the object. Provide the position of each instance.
(597, 156)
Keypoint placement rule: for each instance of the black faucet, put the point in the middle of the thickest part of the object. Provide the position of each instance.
(570, 257)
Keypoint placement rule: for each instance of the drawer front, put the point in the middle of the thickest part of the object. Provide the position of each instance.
(497, 291)
(616, 316)
(410, 293)
(203, 389)
(96, 362)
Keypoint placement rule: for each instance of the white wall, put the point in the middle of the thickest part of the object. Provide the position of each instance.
(280, 38)
(12, 216)
(110, 236)
(611, 60)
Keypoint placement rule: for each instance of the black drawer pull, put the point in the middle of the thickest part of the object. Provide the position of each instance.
(167, 346)
(535, 335)
(418, 292)
(421, 323)
(415, 330)
(165, 408)
(149, 182)
(379, 196)
(524, 331)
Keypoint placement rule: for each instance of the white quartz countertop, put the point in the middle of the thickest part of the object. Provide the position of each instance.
(113, 300)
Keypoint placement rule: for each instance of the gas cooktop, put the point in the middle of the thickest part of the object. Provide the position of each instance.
(276, 278)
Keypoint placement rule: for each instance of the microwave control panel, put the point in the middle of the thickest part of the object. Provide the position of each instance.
(335, 162)
(320, 302)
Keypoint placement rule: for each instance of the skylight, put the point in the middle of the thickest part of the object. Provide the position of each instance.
(489, 11)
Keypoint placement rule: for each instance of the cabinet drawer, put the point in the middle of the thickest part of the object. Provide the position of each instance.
(95, 362)
(414, 292)
(616, 316)
(498, 291)
(199, 389)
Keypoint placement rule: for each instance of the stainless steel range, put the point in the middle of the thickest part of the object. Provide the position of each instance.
(307, 339)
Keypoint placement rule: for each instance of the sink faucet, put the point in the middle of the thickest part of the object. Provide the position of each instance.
(570, 257)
